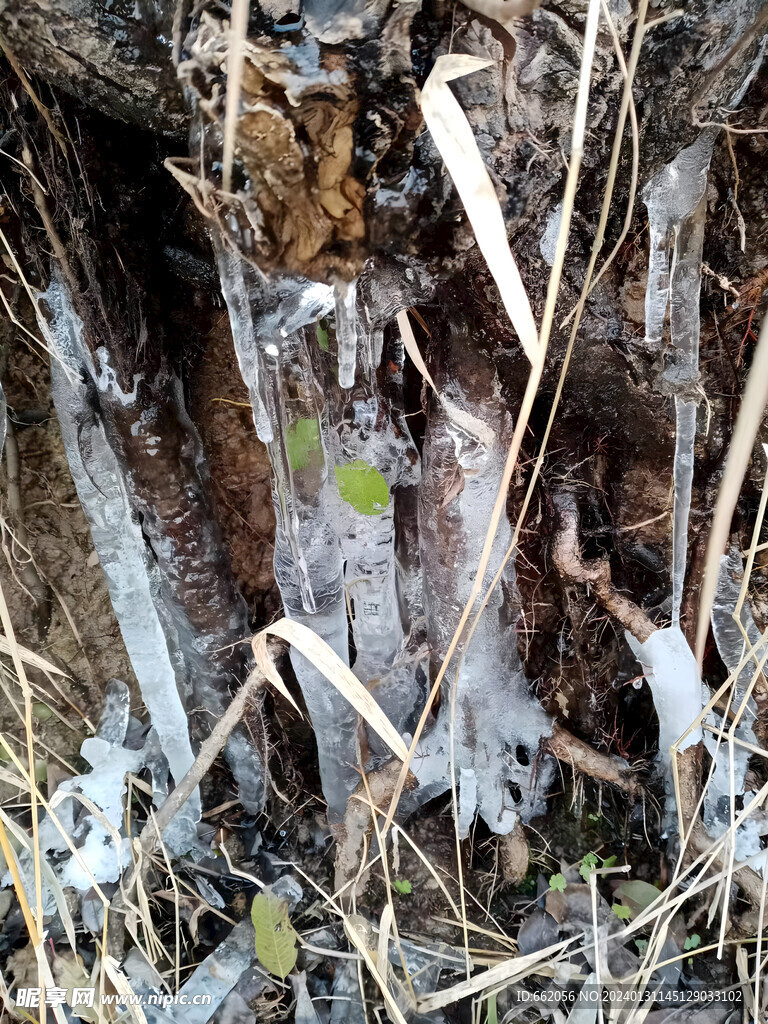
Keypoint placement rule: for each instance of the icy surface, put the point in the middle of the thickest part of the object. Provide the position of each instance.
(176, 658)
(216, 976)
(268, 321)
(345, 298)
(100, 837)
(548, 241)
(671, 671)
(131, 574)
(498, 725)
(367, 436)
(732, 648)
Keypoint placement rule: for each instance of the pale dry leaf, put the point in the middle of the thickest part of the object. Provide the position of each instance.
(327, 661)
(455, 141)
(465, 420)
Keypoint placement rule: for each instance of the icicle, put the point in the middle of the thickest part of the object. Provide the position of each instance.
(261, 314)
(676, 203)
(308, 563)
(268, 318)
(372, 460)
(731, 645)
(670, 196)
(236, 296)
(3, 419)
(131, 573)
(181, 617)
(498, 725)
(345, 298)
(376, 462)
(683, 480)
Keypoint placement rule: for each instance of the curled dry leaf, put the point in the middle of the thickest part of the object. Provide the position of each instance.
(455, 141)
(325, 659)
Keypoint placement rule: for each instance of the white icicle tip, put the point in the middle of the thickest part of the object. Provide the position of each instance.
(455, 141)
(325, 660)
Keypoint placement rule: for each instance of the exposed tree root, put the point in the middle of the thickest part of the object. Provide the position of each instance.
(566, 554)
(582, 758)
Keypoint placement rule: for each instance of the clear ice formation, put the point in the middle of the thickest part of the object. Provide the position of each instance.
(368, 442)
(130, 571)
(105, 849)
(732, 647)
(676, 202)
(498, 725)
(3, 420)
(262, 313)
(345, 298)
(672, 674)
(332, 546)
(216, 977)
(175, 662)
(268, 324)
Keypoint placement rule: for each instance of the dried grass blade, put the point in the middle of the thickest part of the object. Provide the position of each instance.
(455, 141)
(750, 415)
(358, 941)
(327, 661)
(510, 970)
(238, 30)
(30, 658)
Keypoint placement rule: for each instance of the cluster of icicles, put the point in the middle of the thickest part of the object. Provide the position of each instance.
(349, 489)
(371, 533)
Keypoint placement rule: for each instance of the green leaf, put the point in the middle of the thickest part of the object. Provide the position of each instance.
(363, 487)
(322, 335)
(623, 913)
(41, 711)
(692, 942)
(558, 883)
(610, 861)
(302, 439)
(492, 1014)
(588, 862)
(642, 945)
(637, 895)
(274, 934)
(403, 886)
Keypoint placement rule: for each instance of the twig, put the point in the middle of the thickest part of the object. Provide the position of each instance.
(581, 757)
(27, 86)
